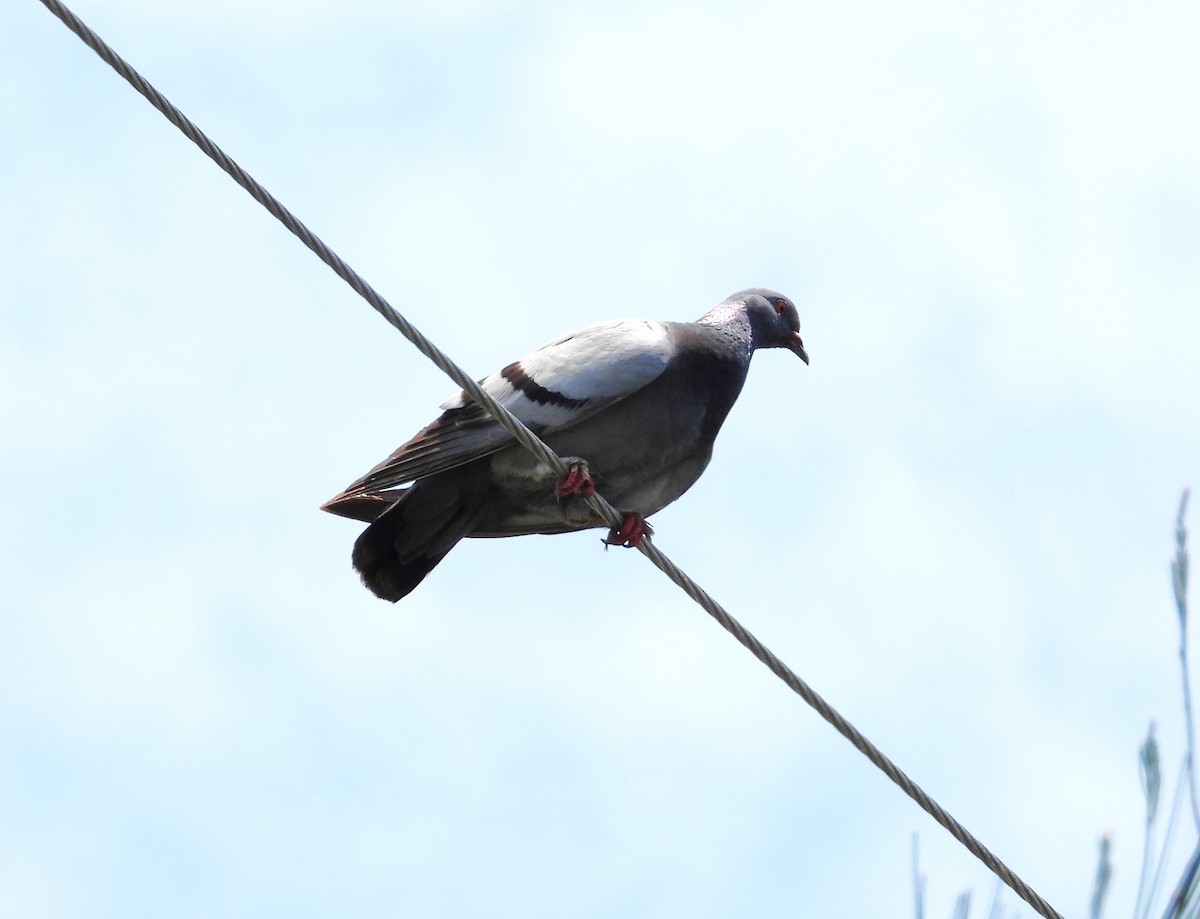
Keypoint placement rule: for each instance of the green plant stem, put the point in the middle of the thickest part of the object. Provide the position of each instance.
(1179, 570)
(918, 881)
(1103, 876)
(1167, 842)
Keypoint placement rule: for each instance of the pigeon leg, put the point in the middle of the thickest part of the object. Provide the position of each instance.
(634, 529)
(578, 480)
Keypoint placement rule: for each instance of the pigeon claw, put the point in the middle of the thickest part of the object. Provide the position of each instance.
(633, 530)
(578, 481)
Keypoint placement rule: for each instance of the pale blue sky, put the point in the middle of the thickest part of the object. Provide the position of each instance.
(956, 523)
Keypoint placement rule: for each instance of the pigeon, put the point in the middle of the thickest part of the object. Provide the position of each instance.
(632, 405)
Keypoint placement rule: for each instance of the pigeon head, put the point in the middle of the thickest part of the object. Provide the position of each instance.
(772, 317)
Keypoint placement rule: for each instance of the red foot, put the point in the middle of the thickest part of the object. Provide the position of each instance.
(634, 529)
(578, 481)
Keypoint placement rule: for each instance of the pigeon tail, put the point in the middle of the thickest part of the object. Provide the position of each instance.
(407, 541)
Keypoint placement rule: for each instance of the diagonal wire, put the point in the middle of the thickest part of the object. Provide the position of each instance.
(544, 454)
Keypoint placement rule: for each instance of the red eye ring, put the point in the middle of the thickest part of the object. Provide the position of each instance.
(780, 308)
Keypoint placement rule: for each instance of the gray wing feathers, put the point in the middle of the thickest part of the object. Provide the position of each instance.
(551, 390)
(457, 437)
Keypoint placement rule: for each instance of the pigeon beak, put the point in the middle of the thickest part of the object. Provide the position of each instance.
(797, 345)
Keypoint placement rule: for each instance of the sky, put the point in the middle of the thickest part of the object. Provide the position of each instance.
(956, 523)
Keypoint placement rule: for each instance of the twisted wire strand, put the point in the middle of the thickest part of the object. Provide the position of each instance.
(544, 454)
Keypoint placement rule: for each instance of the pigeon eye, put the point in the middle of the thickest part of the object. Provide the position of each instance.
(780, 309)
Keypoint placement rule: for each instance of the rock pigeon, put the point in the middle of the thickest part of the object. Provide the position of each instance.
(632, 405)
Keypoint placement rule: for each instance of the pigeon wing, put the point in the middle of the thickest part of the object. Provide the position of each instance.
(559, 386)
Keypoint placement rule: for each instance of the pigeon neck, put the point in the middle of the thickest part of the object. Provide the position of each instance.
(730, 321)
